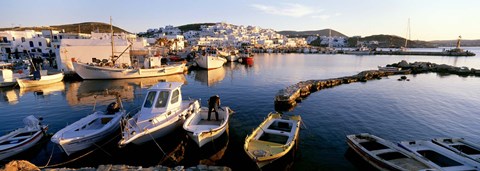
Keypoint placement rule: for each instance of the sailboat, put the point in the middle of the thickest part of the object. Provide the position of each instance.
(110, 70)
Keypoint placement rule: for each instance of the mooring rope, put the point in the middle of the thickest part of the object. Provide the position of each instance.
(158, 145)
(79, 157)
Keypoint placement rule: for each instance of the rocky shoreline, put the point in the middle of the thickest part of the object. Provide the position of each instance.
(18, 165)
(287, 98)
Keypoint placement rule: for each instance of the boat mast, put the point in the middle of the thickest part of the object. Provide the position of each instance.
(407, 36)
(111, 38)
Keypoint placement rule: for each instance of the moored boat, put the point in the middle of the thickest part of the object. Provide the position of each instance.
(42, 80)
(441, 157)
(209, 61)
(162, 111)
(22, 139)
(202, 130)
(385, 155)
(460, 146)
(92, 71)
(91, 129)
(273, 138)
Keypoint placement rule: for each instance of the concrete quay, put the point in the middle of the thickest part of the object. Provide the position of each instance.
(18, 165)
(287, 98)
(444, 53)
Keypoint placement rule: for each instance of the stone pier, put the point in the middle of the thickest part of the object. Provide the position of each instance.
(287, 98)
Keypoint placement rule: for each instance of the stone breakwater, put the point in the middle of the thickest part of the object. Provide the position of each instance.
(287, 98)
(25, 165)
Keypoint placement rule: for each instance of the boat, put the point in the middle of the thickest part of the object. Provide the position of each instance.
(162, 111)
(22, 139)
(40, 79)
(7, 77)
(91, 129)
(209, 61)
(388, 69)
(386, 155)
(441, 157)
(460, 146)
(97, 71)
(362, 50)
(108, 69)
(275, 137)
(202, 130)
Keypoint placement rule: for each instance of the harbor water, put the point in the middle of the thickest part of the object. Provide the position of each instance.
(428, 106)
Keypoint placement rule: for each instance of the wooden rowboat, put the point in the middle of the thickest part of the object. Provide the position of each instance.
(274, 138)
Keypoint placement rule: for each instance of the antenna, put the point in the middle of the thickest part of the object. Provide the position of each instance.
(111, 32)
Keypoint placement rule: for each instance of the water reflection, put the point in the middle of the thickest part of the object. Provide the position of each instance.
(8, 95)
(88, 92)
(210, 77)
(41, 91)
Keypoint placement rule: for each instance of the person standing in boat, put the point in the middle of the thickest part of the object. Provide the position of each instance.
(213, 104)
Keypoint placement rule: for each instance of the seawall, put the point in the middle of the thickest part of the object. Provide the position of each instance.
(287, 98)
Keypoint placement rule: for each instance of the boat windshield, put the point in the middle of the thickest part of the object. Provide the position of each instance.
(162, 99)
(149, 101)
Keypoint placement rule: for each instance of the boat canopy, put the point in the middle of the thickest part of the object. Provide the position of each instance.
(161, 98)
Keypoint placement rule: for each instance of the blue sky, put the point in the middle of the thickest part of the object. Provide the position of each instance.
(429, 19)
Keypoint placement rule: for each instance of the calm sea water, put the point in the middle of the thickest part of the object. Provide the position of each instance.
(428, 106)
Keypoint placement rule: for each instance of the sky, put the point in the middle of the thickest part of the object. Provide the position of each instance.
(429, 19)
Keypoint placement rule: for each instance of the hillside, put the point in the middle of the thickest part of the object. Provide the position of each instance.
(390, 41)
(196, 26)
(324, 32)
(86, 27)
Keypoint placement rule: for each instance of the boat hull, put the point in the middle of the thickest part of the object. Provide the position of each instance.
(132, 133)
(202, 134)
(80, 142)
(27, 144)
(264, 151)
(95, 72)
(45, 80)
(210, 62)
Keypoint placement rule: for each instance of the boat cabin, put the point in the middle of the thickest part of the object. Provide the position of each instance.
(163, 97)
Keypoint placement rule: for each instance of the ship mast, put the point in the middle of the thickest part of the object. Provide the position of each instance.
(111, 38)
(407, 36)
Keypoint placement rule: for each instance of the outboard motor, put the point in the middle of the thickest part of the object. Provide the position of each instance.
(113, 108)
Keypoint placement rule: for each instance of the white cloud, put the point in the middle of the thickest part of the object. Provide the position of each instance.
(287, 9)
(322, 17)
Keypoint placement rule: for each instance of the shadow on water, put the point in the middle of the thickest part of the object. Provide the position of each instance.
(357, 160)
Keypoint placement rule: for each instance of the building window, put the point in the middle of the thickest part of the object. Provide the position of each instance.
(40, 50)
(33, 50)
(31, 43)
(5, 39)
(60, 36)
(39, 43)
(23, 39)
(13, 38)
(55, 37)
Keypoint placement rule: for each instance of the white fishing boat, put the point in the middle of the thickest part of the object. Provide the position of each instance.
(109, 69)
(163, 110)
(274, 138)
(22, 139)
(385, 155)
(43, 80)
(91, 129)
(202, 130)
(360, 51)
(95, 71)
(460, 146)
(208, 61)
(441, 157)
